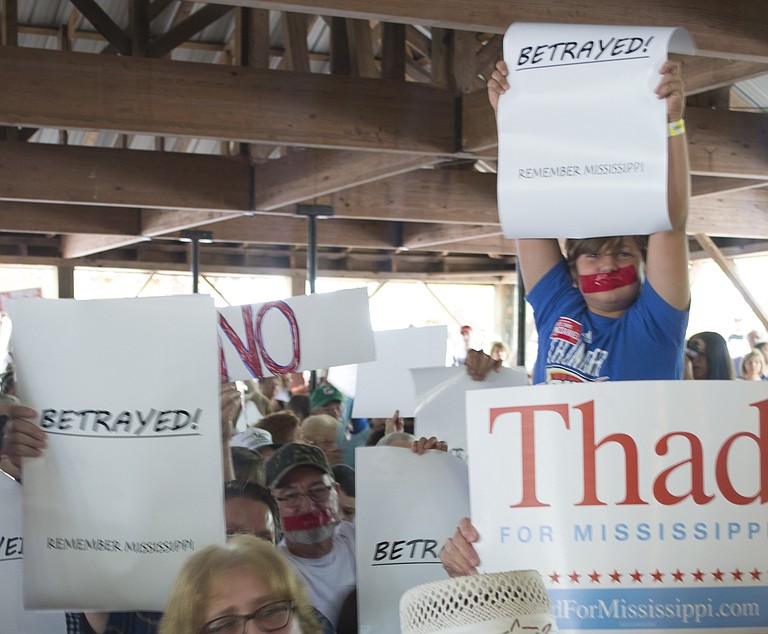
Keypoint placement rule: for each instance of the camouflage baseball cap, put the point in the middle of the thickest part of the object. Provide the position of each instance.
(292, 455)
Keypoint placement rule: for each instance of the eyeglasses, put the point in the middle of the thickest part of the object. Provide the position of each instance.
(318, 494)
(323, 444)
(268, 619)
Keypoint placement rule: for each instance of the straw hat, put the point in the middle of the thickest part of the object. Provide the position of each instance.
(496, 603)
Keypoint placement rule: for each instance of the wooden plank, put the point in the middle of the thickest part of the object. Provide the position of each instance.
(9, 23)
(185, 29)
(428, 195)
(465, 49)
(393, 51)
(703, 74)
(331, 232)
(102, 176)
(98, 176)
(714, 185)
(253, 41)
(139, 27)
(166, 180)
(311, 173)
(741, 214)
(155, 222)
(23, 217)
(104, 25)
(421, 236)
(166, 98)
(341, 63)
(295, 34)
(721, 143)
(361, 49)
(76, 246)
(735, 30)
(729, 268)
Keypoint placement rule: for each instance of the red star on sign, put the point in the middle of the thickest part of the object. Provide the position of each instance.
(698, 575)
(737, 574)
(756, 574)
(637, 577)
(554, 577)
(718, 575)
(574, 576)
(615, 576)
(678, 576)
(595, 576)
(657, 576)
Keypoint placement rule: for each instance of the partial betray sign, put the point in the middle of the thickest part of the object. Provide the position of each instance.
(386, 384)
(642, 503)
(15, 618)
(407, 506)
(582, 134)
(130, 483)
(307, 332)
(440, 401)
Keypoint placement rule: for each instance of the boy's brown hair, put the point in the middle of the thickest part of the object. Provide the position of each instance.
(575, 248)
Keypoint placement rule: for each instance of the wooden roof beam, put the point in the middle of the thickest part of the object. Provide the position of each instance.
(166, 98)
(736, 30)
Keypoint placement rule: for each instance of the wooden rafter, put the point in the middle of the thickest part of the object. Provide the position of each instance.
(105, 25)
(730, 270)
(182, 31)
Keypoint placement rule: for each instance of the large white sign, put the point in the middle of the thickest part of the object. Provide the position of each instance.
(15, 619)
(441, 409)
(643, 504)
(582, 135)
(386, 384)
(307, 332)
(131, 481)
(406, 507)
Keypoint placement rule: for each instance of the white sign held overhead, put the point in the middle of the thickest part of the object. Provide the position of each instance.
(582, 134)
(307, 332)
(440, 396)
(386, 384)
(130, 483)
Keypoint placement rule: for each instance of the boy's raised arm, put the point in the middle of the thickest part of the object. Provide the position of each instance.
(667, 260)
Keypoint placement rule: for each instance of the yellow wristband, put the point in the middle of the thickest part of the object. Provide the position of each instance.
(676, 128)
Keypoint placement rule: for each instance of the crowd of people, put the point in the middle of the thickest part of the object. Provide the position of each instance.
(289, 562)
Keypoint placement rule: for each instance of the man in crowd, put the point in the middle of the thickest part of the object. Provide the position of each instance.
(320, 546)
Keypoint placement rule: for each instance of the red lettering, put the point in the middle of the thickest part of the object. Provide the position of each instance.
(661, 491)
(248, 353)
(721, 467)
(589, 451)
(528, 457)
(253, 352)
(272, 365)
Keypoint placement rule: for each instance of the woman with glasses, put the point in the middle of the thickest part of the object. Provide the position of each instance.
(245, 587)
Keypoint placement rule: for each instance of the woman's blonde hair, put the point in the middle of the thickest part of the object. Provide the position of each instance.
(185, 611)
(753, 354)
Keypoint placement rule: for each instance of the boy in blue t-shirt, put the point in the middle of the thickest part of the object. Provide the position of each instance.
(616, 308)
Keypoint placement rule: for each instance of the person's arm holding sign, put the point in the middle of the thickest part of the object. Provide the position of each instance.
(667, 259)
(666, 262)
(614, 274)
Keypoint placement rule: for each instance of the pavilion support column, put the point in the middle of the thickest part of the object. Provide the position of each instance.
(66, 275)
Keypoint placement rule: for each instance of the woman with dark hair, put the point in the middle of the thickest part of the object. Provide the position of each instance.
(709, 357)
